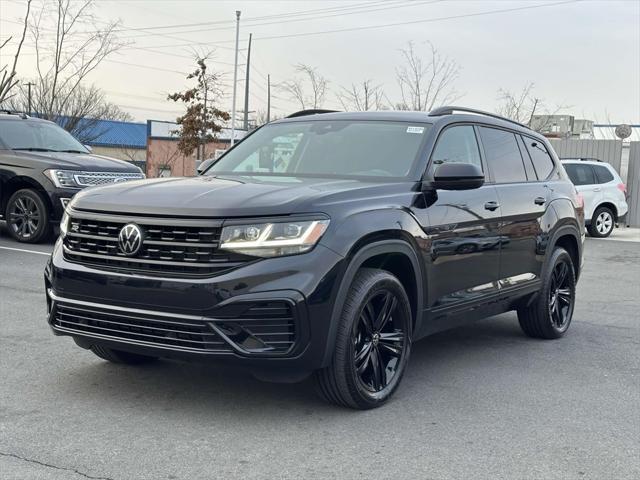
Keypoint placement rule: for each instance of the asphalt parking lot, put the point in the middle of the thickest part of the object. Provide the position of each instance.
(482, 401)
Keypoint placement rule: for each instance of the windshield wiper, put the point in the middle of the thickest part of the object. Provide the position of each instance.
(70, 151)
(34, 149)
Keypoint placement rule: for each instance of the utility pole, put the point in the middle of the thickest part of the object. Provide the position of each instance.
(268, 98)
(235, 81)
(29, 97)
(246, 88)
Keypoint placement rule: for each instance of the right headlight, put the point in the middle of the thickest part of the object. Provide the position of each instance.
(273, 239)
(62, 178)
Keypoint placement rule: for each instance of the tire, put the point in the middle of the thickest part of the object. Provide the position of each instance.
(602, 223)
(119, 356)
(374, 331)
(27, 217)
(550, 313)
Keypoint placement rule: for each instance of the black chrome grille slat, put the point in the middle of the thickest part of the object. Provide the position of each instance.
(174, 250)
(275, 336)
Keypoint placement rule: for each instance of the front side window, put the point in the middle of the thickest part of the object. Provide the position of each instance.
(542, 161)
(22, 134)
(457, 144)
(580, 174)
(603, 175)
(503, 155)
(331, 148)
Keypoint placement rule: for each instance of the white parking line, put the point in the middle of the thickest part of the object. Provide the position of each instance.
(26, 251)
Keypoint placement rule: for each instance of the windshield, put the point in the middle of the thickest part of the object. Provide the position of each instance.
(22, 134)
(339, 148)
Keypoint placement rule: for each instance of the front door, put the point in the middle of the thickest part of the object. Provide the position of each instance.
(463, 230)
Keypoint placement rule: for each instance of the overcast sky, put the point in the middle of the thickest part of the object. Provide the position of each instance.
(583, 54)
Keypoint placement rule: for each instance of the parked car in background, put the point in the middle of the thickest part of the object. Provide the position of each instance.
(42, 167)
(603, 191)
(379, 229)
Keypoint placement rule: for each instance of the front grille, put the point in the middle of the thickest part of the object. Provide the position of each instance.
(256, 328)
(91, 179)
(166, 249)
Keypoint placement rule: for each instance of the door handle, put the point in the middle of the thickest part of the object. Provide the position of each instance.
(491, 206)
(540, 201)
(596, 189)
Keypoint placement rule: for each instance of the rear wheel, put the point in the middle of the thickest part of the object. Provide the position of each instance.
(27, 216)
(119, 356)
(602, 223)
(373, 343)
(549, 316)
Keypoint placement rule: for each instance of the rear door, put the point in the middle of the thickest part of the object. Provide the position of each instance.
(583, 177)
(462, 227)
(523, 201)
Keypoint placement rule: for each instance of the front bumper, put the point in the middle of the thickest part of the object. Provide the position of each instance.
(58, 198)
(274, 313)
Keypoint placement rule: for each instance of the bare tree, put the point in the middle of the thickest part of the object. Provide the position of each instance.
(362, 97)
(81, 113)
(308, 88)
(9, 79)
(426, 82)
(525, 107)
(78, 45)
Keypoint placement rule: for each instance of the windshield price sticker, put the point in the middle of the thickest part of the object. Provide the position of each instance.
(415, 129)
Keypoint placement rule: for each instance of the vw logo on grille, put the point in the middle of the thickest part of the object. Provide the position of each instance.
(130, 239)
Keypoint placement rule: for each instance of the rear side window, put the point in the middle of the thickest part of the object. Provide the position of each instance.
(542, 161)
(503, 155)
(457, 144)
(580, 174)
(603, 175)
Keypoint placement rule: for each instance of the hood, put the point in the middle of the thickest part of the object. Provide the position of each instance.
(73, 161)
(208, 196)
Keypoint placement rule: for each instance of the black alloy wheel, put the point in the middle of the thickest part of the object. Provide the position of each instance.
(373, 343)
(561, 296)
(378, 341)
(27, 217)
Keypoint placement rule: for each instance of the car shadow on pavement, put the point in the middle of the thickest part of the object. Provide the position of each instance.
(171, 386)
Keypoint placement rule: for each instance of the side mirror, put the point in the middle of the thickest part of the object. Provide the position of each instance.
(88, 147)
(204, 165)
(458, 176)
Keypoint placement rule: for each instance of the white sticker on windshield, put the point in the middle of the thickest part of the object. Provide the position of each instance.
(415, 129)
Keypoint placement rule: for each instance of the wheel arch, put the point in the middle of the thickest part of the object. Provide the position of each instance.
(568, 238)
(395, 254)
(610, 206)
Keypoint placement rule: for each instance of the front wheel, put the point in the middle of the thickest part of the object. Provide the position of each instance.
(549, 315)
(373, 343)
(27, 216)
(602, 223)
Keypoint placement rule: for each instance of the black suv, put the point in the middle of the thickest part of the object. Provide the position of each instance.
(325, 244)
(41, 167)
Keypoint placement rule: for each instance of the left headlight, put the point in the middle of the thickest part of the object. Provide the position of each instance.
(62, 178)
(273, 239)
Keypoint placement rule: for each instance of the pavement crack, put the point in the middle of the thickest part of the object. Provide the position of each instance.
(44, 464)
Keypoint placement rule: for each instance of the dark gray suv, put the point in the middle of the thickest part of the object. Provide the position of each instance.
(41, 168)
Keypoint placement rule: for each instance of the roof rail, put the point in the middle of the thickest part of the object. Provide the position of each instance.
(12, 112)
(314, 111)
(582, 159)
(448, 110)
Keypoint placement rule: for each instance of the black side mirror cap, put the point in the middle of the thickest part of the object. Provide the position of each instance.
(457, 176)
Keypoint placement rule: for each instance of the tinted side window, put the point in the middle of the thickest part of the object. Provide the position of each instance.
(580, 174)
(602, 174)
(457, 144)
(540, 157)
(503, 155)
